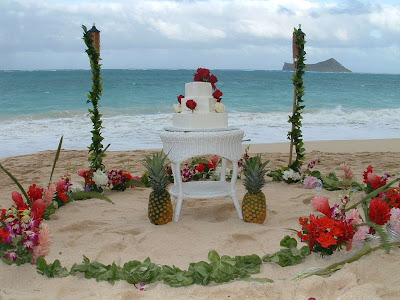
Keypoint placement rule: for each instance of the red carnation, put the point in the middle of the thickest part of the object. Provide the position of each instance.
(326, 239)
(379, 211)
(180, 98)
(191, 104)
(217, 95)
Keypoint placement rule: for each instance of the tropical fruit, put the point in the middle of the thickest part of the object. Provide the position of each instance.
(160, 209)
(254, 208)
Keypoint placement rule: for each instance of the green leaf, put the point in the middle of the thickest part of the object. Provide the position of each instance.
(83, 195)
(213, 256)
(17, 183)
(56, 158)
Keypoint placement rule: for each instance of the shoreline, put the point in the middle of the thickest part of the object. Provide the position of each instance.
(331, 146)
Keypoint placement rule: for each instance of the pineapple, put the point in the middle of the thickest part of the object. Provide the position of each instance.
(254, 208)
(160, 209)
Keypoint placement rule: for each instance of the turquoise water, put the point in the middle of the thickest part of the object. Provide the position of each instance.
(37, 107)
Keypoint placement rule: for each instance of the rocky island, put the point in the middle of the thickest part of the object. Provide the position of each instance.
(330, 65)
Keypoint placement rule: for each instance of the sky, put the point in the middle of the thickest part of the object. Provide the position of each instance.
(364, 36)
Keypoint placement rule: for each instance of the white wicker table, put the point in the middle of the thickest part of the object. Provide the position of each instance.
(180, 145)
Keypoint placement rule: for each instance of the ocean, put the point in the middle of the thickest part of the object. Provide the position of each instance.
(38, 107)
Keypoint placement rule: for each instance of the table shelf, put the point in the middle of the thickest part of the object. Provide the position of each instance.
(203, 189)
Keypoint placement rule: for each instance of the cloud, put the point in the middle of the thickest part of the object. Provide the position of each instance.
(195, 27)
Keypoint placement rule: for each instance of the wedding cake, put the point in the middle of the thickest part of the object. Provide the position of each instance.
(200, 108)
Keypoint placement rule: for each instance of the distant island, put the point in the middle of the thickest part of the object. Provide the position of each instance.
(330, 65)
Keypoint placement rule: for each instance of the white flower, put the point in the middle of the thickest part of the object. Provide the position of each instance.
(291, 175)
(177, 107)
(100, 178)
(75, 187)
(219, 107)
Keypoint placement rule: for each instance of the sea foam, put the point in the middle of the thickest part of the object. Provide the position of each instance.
(24, 134)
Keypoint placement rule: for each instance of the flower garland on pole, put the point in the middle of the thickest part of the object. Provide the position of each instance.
(93, 51)
(295, 135)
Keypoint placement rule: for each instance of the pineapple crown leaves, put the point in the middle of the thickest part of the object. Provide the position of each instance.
(156, 165)
(254, 171)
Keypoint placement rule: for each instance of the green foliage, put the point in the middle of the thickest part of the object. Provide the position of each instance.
(277, 175)
(83, 195)
(332, 182)
(56, 158)
(96, 148)
(296, 118)
(254, 172)
(289, 255)
(220, 269)
(51, 270)
(155, 166)
(96, 270)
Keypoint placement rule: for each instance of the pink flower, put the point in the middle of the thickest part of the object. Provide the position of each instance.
(321, 204)
(395, 219)
(311, 182)
(60, 185)
(49, 195)
(214, 160)
(81, 172)
(354, 217)
(360, 235)
(348, 174)
(42, 249)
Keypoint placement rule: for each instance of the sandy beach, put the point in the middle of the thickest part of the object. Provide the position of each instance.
(122, 232)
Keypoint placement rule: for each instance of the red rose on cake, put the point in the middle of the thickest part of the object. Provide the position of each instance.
(217, 95)
(191, 104)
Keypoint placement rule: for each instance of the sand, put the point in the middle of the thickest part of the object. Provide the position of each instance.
(122, 232)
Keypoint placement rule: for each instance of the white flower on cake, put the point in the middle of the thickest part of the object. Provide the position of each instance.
(219, 107)
(100, 178)
(178, 107)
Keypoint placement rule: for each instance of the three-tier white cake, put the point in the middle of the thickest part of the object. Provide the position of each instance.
(205, 115)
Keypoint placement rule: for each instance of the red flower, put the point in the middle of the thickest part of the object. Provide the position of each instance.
(3, 235)
(369, 170)
(326, 239)
(202, 75)
(127, 176)
(17, 197)
(62, 196)
(213, 79)
(393, 198)
(375, 181)
(38, 208)
(200, 167)
(35, 193)
(217, 95)
(180, 98)
(191, 104)
(2, 214)
(379, 211)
